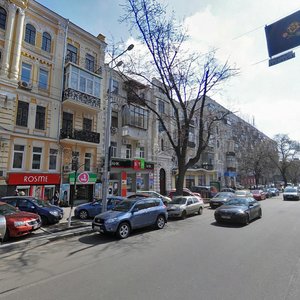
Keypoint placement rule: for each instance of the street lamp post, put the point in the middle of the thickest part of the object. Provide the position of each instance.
(107, 146)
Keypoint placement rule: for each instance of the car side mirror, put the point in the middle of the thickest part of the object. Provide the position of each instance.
(251, 204)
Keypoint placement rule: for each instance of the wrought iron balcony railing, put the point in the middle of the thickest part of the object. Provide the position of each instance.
(80, 135)
(81, 98)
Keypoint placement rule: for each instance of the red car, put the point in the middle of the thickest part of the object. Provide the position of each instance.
(259, 195)
(18, 223)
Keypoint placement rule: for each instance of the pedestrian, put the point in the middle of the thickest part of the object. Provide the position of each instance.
(16, 193)
(55, 198)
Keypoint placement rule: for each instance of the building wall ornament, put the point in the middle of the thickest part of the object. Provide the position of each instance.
(21, 3)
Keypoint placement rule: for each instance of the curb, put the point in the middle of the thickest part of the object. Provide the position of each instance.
(24, 245)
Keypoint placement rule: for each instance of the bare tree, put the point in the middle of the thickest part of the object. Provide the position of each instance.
(287, 150)
(185, 78)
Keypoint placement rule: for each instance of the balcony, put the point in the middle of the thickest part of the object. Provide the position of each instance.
(80, 135)
(79, 98)
(134, 133)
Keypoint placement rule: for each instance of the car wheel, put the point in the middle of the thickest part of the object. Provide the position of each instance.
(183, 215)
(44, 220)
(247, 220)
(260, 213)
(160, 222)
(83, 214)
(123, 230)
(6, 236)
(200, 211)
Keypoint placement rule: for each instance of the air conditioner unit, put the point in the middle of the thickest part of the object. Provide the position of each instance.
(66, 168)
(25, 85)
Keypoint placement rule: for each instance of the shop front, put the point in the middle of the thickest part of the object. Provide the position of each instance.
(131, 176)
(40, 185)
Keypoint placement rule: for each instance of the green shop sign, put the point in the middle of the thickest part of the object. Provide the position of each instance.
(83, 178)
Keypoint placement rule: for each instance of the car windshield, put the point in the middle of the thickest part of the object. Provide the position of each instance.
(223, 195)
(124, 206)
(6, 209)
(255, 192)
(40, 202)
(178, 200)
(238, 201)
(290, 190)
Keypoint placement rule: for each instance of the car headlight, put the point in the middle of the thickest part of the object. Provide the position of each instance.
(54, 213)
(111, 220)
(19, 223)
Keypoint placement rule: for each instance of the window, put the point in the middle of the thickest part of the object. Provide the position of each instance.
(72, 53)
(75, 157)
(162, 145)
(26, 72)
(67, 124)
(43, 79)
(128, 151)
(52, 159)
(114, 119)
(2, 18)
(18, 156)
(113, 149)
(87, 161)
(40, 117)
(82, 81)
(22, 113)
(87, 124)
(46, 42)
(36, 158)
(160, 127)
(135, 116)
(30, 33)
(161, 106)
(142, 152)
(115, 87)
(90, 62)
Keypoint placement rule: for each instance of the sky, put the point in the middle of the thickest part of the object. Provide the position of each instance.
(267, 97)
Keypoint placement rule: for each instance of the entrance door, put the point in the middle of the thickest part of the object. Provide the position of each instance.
(162, 182)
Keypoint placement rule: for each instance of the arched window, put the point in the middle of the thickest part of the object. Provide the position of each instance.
(46, 42)
(2, 18)
(30, 34)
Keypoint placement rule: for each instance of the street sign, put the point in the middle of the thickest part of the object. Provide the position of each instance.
(281, 58)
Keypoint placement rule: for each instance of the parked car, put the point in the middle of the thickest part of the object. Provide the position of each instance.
(185, 192)
(91, 209)
(2, 228)
(239, 210)
(291, 193)
(182, 206)
(228, 190)
(50, 214)
(267, 192)
(220, 198)
(259, 194)
(152, 194)
(205, 191)
(274, 191)
(243, 193)
(18, 223)
(131, 214)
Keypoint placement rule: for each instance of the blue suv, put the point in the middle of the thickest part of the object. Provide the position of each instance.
(50, 214)
(131, 214)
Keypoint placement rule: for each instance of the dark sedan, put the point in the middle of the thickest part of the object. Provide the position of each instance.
(220, 199)
(239, 210)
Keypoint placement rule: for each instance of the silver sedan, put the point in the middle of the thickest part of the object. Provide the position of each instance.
(181, 206)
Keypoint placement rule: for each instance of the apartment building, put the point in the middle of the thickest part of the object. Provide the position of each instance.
(44, 135)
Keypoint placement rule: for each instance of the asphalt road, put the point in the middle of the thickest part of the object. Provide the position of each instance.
(189, 259)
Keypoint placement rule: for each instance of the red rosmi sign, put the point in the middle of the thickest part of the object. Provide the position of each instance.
(83, 177)
(33, 178)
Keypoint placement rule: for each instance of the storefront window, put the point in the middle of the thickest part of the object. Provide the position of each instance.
(131, 183)
(189, 181)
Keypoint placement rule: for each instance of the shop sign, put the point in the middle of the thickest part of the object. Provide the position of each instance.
(136, 164)
(83, 178)
(116, 163)
(33, 179)
(149, 166)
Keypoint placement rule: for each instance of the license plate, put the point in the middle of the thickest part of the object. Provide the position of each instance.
(225, 217)
(97, 228)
